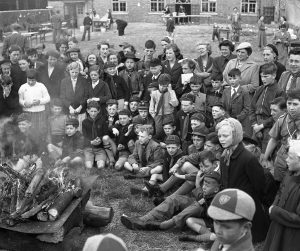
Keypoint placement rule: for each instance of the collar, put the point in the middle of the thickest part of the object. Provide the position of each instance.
(97, 82)
(237, 150)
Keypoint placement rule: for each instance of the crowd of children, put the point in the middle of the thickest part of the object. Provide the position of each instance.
(184, 130)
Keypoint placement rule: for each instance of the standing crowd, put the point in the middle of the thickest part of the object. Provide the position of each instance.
(216, 139)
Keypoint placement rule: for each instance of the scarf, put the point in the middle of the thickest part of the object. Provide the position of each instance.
(6, 90)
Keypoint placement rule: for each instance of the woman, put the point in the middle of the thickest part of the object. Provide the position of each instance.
(248, 68)
(282, 40)
(114, 58)
(283, 21)
(164, 42)
(90, 61)
(171, 65)
(205, 62)
(262, 39)
(62, 47)
(240, 169)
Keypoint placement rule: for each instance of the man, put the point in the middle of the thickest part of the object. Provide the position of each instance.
(103, 48)
(236, 19)
(15, 39)
(291, 79)
(87, 22)
(56, 21)
(14, 53)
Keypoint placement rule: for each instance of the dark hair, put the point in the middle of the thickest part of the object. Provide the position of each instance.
(295, 51)
(217, 77)
(6, 80)
(268, 68)
(175, 48)
(227, 43)
(191, 64)
(293, 94)
(31, 51)
(60, 42)
(284, 18)
(112, 53)
(24, 57)
(234, 72)
(31, 74)
(280, 101)
(133, 50)
(95, 68)
(283, 26)
(93, 104)
(207, 155)
(14, 47)
(249, 50)
(213, 138)
(102, 43)
(150, 44)
(87, 61)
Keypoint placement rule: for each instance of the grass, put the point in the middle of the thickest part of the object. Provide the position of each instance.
(110, 189)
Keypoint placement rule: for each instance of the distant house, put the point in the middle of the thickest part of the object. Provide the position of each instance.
(151, 10)
(22, 4)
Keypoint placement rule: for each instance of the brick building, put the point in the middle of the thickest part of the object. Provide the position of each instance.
(151, 10)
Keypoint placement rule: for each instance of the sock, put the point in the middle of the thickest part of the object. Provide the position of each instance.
(185, 188)
(167, 224)
(169, 183)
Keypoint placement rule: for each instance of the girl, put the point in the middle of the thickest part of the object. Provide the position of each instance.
(90, 61)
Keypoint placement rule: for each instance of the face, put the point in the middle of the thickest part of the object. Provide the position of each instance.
(74, 73)
(113, 59)
(39, 51)
(129, 64)
(225, 51)
(5, 69)
(124, 119)
(133, 106)
(24, 126)
(282, 29)
(93, 112)
(294, 63)
(198, 142)
(127, 50)
(195, 88)
(31, 81)
(155, 70)
(210, 186)
(143, 113)
(112, 110)
(276, 112)
(202, 49)
(14, 56)
(70, 130)
(216, 84)
(94, 76)
(24, 64)
(293, 161)
(209, 146)
(269, 56)
(169, 129)
(92, 59)
(104, 50)
(195, 123)
(217, 112)
(229, 232)
(71, 44)
(52, 61)
(164, 44)
(206, 166)
(144, 137)
(33, 58)
(170, 55)
(149, 52)
(187, 106)
(186, 69)
(63, 48)
(172, 149)
(242, 54)
(234, 81)
(225, 136)
(56, 110)
(163, 88)
(74, 56)
(267, 79)
(293, 107)
(111, 71)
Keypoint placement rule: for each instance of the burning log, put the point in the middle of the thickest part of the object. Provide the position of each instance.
(95, 216)
(31, 189)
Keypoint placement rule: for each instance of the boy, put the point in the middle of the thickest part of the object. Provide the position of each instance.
(284, 231)
(124, 138)
(200, 97)
(174, 211)
(72, 146)
(133, 106)
(33, 57)
(169, 129)
(236, 100)
(131, 76)
(198, 138)
(284, 129)
(94, 128)
(260, 113)
(183, 124)
(111, 117)
(198, 120)
(144, 118)
(278, 108)
(56, 133)
(147, 153)
(218, 114)
(149, 51)
(163, 103)
(232, 211)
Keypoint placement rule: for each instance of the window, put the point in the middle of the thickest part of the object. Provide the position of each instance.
(157, 5)
(80, 9)
(119, 5)
(208, 6)
(249, 6)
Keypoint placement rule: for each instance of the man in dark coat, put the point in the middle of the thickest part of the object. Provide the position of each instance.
(87, 22)
(121, 25)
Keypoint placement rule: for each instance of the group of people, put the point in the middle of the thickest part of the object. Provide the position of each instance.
(214, 138)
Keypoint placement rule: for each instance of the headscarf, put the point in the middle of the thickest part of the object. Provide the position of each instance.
(237, 136)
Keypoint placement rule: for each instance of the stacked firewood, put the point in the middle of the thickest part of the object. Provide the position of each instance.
(36, 194)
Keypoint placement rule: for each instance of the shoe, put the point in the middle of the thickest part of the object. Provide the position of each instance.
(185, 237)
(153, 189)
(138, 191)
(158, 200)
(133, 223)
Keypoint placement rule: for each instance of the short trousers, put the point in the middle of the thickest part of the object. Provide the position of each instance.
(96, 154)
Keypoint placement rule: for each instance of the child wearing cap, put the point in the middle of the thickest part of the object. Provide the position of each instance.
(163, 103)
(236, 100)
(124, 138)
(33, 97)
(131, 75)
(200, 97)
(144, 118)
(284, 232)
(198, 120)
(232, 211)
(72, 145)
(95, 132)
(133, 106)
(111, 115)
(117, 85)
(198, 139)
(169, 128)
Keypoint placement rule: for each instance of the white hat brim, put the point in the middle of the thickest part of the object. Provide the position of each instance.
(221, 214)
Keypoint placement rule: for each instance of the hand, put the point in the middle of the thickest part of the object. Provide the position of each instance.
(144, 169)
(170, 87)
(162, 144)
(130, 127)
(135, 166)
(96, 99)
(174, 169)
(179, 176)
(270, 209)
(36, 102)
(202, 201)
(27, 104)
(115, 131)
(185, 83)
(257, 128)
(121, 147)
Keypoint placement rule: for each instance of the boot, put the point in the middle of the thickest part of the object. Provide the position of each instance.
(152, 225)
(153, 189)
(133, 223)
(158, 200)
(138, 191)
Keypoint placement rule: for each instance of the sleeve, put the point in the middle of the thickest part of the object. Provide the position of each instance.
(173, 99)
(63, 94)
(45, 95)
(134, 157)
(125, 89)
(214, 70)
(275, 130)
(158, 157)
(254, 81)
(152, 104)
(79, 146)
(252, 112)
(5, 47)
(21, 97)
(286, 218)
(246, 107)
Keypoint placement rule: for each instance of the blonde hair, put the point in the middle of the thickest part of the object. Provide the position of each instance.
(72, 66)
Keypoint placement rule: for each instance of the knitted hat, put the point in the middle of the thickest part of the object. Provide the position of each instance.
(125, 112)
(232, 204)
(188, 97)
(198, 116)
(108, 242)
(237, 129)
(213, 175)
(164, 79)
(199, 131)
(168, 120)
(273, 48)
(73, 122)
(143, 106)
(24, 117)
(172, 139)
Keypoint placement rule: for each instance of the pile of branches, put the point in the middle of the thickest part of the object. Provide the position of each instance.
(35, 194)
